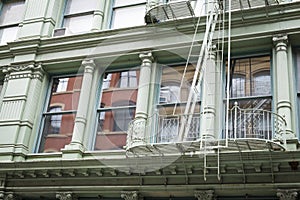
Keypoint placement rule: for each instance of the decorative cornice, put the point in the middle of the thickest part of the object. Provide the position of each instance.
(287, 194)
(65, 196)
(204, 194)
(130, 195)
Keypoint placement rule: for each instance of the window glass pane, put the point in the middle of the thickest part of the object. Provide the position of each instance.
(170, 91)
(172, 104)
(12, 12)
(250, 89)
(250, 77)
(128, 16)
(117, 109)
(127, 2)
(8, 34)
(298, 70)
(80, 6)
(78, 24)
(58, 120)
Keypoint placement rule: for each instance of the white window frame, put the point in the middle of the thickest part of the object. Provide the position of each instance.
(122, 6)
(79, 15)
(9, 30)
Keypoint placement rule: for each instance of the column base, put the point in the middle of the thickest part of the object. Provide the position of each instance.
(72, 151)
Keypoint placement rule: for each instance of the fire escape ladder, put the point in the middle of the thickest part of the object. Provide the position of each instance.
(212, 19)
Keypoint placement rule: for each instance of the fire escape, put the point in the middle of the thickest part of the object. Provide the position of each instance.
(256, 123)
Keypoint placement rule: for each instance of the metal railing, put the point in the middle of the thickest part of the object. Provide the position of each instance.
(254, 123)
(168, 128)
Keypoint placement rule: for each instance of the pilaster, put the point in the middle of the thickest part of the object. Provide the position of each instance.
(287, 194)
(283, 80)
(204, 194)
(98, 16)
(18, 111)
(75, 148)
(40, 18)
(137, 129)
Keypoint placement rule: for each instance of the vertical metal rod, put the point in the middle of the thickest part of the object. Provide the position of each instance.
(235, 119)
(228, 70)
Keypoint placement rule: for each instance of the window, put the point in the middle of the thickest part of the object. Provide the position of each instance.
(116, 109)
(172, 102)
(78, 15)
(128, 13)
(12, 12)
(298, 82)
(250, 87)
(58, 119)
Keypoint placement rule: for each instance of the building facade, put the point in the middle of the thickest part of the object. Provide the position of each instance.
(151, 99)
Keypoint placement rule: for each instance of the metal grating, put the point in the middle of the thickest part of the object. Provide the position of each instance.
(171, 11)
(246, 4)
(192, 147)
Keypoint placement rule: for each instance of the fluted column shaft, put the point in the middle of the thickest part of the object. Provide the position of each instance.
(283, 80)
(82, 110)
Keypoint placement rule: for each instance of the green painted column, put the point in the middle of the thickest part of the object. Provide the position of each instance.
(76, 144)
(40, 18)
(98, 16)
(283, 81)
(210, 98)
(137, 129)
(18, 110)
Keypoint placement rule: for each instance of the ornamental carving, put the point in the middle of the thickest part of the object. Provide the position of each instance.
(34, 71)
(204, 194)
(9, 196)
(280, 42)
(130, 195)
(65, 196)
(287, 194)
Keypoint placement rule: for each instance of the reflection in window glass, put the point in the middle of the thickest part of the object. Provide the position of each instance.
(11, 14)
(117, 109)
(79, 15)
(172, 103)
(250, 88)
(250, 77)
(8, 34)
(128, 16)
(55, 120)
(238, 86)
(58, 120)
(78, 24)
(79, 6)
(128, 79)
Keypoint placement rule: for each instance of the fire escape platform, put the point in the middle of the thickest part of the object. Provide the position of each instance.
(170, 11)
(194, 147)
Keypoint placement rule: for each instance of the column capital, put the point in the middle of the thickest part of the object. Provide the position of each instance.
(88, 63)
(130, 195)
(280, 42)
(204, 194)
(65, 196)
(31, 70)
(146, 57)
(287, 194)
